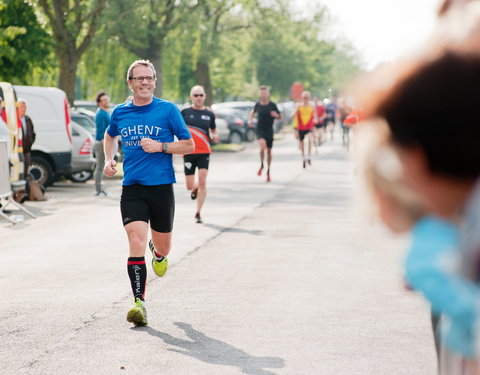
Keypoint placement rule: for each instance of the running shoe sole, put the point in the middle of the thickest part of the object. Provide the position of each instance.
(194, 194)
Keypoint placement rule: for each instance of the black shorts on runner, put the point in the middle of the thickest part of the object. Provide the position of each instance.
(303, 133)
(268, 139)
(193, 161)
(319, 125)
(154, 204)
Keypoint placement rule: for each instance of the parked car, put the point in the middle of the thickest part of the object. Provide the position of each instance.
(52, 150)
(236, 125)
(222, 130)
(244, 109)
(89, 106)
(83, 162)
(86, 119)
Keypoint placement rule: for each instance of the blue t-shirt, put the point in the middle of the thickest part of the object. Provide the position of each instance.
(102, 120)
(160, 120)
(431, 268)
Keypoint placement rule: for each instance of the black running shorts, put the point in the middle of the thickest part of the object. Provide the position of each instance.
(302, 134)
(154, 204)
(268, 138)
(193, 161)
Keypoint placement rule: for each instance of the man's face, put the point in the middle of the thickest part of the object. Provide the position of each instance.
(198, 96)
(305, 98)
(264, 94)
(104, 101)
(22, 109)
(142, 89)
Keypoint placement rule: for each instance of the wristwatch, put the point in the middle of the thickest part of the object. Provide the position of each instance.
(164, 147)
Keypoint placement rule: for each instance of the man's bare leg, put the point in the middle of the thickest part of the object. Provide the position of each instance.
(263, 146)
(269, 163)
(202, 191)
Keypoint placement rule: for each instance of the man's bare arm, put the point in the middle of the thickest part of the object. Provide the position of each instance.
(110, 146)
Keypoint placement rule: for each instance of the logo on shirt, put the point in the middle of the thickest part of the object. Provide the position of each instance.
(205, 117)
(132, 135)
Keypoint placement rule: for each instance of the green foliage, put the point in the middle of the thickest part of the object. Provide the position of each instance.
(104, 67)
(243, 43)
(24, 44)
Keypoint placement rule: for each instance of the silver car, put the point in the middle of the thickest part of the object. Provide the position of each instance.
(83, 162)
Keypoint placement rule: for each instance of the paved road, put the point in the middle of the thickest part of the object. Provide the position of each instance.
(281, 279)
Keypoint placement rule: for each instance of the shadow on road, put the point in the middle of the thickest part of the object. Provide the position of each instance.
(221, 228)
(216, 352)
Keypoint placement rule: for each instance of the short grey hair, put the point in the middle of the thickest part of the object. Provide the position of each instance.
(146, 63)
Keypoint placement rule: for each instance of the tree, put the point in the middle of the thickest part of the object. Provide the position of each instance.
(73, 24)
(23, 42)
(147, 28)
(216, 19)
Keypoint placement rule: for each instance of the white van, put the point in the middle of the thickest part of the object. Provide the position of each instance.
(52, 149)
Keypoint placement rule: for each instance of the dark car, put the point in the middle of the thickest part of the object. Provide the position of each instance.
(243, 111)
(237, 126)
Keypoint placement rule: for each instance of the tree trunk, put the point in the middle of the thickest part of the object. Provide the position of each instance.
(68, 67)
(157, 63)
(202, 76)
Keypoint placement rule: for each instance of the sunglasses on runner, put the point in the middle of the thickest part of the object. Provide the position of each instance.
(197, 95)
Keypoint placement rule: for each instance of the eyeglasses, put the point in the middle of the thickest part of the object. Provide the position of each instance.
(197, 95)
(141, 79)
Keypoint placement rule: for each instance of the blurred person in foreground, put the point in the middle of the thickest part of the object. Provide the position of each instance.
(201, 124)
(442, 166)
(434, 245)
(147, 126)
(102, 121)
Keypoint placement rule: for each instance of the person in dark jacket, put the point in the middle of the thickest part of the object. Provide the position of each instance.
(28, 134)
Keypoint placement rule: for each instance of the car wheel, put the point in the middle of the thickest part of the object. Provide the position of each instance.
(82, 176)
(42, 171)
(235, 137)
(250, 135)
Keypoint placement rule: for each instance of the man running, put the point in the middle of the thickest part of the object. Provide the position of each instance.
(306, 117)
(330, 120)
(267, 111)
(319, 124)
(147, 126)
(201, 123)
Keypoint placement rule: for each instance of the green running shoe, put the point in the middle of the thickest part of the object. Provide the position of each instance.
(159, 267)
(138, 314)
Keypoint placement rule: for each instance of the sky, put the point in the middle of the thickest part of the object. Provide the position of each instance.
(381, 30)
